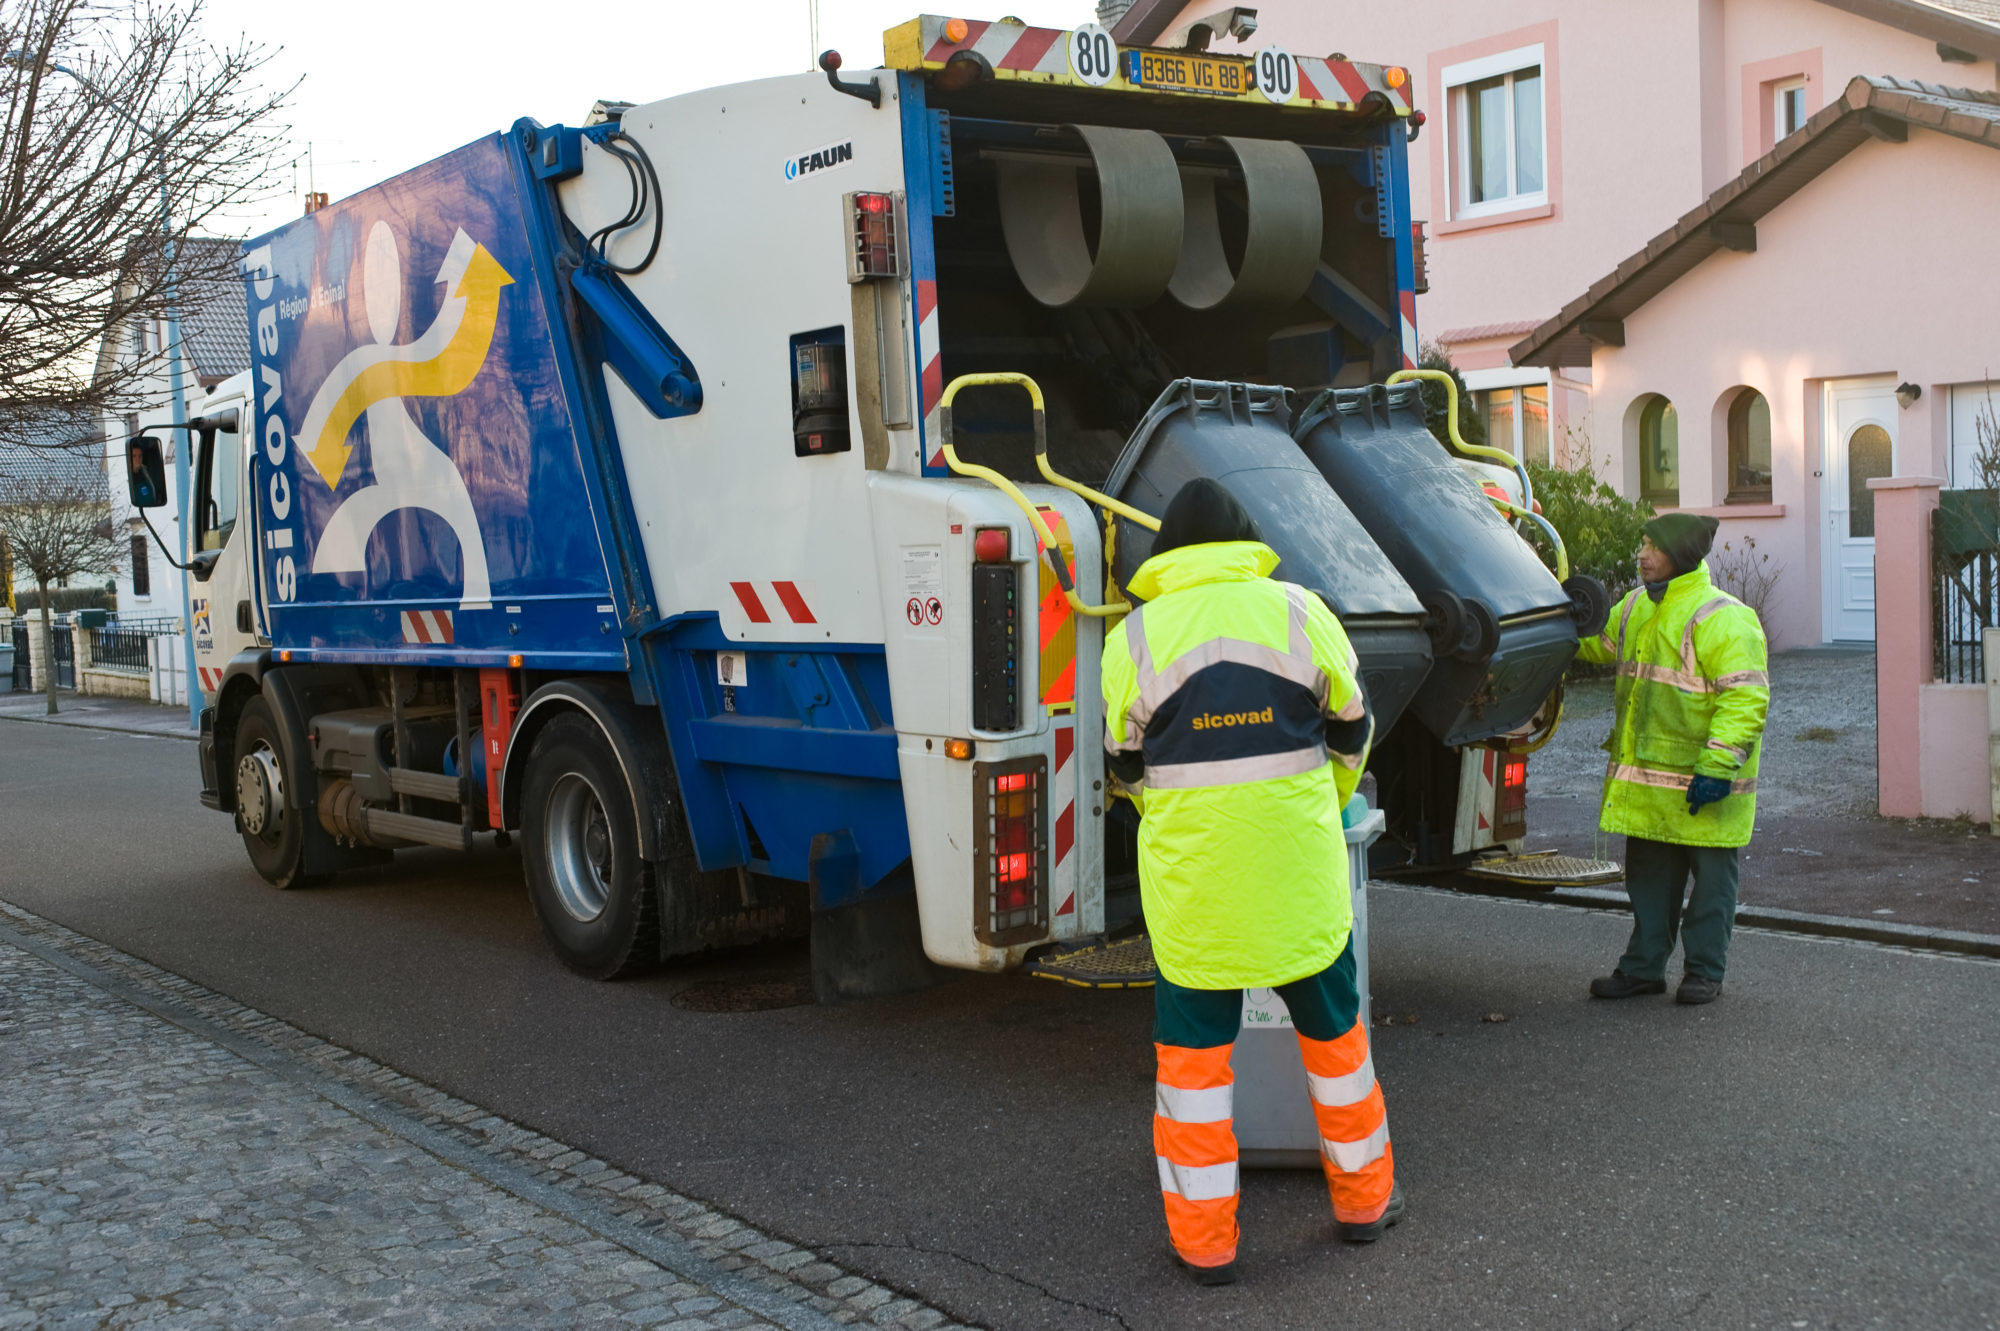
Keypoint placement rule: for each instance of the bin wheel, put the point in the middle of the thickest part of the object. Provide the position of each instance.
(267, 812)
(1481, 637)
(1444, 620)
(1589, 604)
(580, 849)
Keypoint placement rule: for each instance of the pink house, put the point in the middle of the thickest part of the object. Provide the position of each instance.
(1563, 140)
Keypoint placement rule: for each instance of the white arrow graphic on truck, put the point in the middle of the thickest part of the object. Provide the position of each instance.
(410, 471)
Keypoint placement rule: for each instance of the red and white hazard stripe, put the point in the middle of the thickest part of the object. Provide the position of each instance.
(428, 627)
(210, 678)
(1006, 47)
(930, 355)
(767, 602)
(1064, 790)
(1408, 300)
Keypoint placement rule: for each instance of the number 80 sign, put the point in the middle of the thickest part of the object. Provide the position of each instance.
(1093, 56)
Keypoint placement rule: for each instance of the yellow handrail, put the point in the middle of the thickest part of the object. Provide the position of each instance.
(1043, 535)
(1501, 456)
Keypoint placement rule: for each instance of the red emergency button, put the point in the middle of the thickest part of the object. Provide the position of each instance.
(992, 545)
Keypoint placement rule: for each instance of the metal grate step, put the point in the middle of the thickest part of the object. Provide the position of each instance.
(1125, 964)
(1548, 869)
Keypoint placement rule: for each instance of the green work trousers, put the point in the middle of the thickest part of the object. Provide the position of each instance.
(1656, 877)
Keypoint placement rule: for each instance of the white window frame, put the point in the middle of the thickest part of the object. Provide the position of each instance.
(1514, 377)
(1458, 150)
(1778, 90)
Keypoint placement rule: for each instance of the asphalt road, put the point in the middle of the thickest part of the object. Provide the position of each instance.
(1820, 1149)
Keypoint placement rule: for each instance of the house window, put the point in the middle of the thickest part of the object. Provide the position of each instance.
(1749, 449)
(1788, 107)
(1497, 141)
(142, 568)
(1659, 454)
(1517, 419)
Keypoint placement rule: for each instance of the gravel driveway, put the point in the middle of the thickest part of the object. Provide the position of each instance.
(1819, 743)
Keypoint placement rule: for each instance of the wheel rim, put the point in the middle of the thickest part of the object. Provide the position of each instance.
(260, 791)
(579, 848)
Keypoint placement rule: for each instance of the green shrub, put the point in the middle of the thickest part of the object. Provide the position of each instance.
(1599, 527)
(66, 599)
(1436, 413)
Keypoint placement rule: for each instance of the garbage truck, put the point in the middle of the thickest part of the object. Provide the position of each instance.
(726, 496)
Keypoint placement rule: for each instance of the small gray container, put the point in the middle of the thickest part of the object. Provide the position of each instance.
(1275, 1128)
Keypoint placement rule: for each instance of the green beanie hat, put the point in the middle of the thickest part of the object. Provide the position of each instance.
(1683, 537)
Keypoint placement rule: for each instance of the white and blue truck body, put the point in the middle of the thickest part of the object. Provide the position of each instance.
(589, 486)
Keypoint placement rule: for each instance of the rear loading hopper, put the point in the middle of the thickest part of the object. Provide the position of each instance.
(1501, 624)
(1236, 434)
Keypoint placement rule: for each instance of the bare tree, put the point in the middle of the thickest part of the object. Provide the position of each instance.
(105, 171)
(57, 528)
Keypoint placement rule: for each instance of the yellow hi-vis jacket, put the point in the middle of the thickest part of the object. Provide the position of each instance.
(1693, 689)
(1224, 681)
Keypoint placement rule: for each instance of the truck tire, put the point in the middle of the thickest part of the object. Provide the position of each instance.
(580, 845)
(267, 812)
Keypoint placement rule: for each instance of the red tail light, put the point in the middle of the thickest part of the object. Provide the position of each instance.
(1510, 800)
(875, 251)
(1010, 869)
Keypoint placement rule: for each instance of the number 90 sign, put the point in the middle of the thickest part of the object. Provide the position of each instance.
(1093, 56)
(1276, 74)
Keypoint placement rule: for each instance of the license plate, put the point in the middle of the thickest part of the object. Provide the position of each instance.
(1212, 76)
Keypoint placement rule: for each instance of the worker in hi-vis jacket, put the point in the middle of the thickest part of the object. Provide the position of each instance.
(1682, 783)
(1234, 714)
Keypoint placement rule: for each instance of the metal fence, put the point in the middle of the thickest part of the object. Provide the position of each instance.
(121, 644)
(1965, 599)
(24, 670)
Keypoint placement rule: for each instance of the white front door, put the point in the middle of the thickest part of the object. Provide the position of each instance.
(1858, 442)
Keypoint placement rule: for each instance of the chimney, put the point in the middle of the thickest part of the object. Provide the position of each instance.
(1110, 11)
(315, 201)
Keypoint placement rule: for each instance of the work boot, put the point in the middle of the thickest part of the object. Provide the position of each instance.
(1620, 985)
(1224, 1274)
(1351, 1232)
(1698, 989)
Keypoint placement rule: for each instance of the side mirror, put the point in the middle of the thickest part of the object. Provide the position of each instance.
(145, 472)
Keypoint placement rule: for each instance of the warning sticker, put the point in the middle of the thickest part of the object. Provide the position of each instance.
(923, 584)
(731, 669)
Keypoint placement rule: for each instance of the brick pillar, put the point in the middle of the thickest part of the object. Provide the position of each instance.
(1903, 508)
(83, 646)
(37, 652)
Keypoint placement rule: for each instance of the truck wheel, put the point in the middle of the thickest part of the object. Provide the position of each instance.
(580, 844)
(267, 812)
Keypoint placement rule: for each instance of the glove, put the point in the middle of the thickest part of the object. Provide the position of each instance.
(1705, 790)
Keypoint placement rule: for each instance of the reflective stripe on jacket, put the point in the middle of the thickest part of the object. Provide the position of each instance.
(1224, 682)
(1693, 690)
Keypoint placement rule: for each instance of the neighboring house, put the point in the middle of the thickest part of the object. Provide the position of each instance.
(215, 337)
(1819, 321)
(1563, 137)
(59, 446)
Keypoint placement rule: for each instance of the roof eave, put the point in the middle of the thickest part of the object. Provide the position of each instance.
(1865, 109)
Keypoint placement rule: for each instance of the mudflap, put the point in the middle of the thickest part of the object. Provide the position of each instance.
(865, 944)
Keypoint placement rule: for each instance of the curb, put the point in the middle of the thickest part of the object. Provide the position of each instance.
(101, 725)
(1957, 941)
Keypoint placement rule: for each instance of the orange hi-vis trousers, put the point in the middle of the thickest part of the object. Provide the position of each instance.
(1193, 1133)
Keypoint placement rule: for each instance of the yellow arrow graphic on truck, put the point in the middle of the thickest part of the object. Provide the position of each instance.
(441, 363)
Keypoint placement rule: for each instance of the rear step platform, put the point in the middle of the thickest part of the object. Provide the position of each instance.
(1125, 964)
(1548, 868)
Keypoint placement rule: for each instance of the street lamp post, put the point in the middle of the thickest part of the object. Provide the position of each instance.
(182, 439)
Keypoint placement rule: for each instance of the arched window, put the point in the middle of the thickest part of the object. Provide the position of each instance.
(1659, 454)
(1869, 455)
(1749, 449)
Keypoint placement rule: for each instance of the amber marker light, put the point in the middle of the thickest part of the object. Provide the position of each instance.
(515, 660)
(285, 655)
(955, 30)
(1396, 76)
(958, 748)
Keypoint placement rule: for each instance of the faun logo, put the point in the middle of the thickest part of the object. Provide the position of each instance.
(829, 158)
(1217, 720)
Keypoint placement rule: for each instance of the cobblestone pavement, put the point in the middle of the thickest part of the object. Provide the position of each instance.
(170, 1158)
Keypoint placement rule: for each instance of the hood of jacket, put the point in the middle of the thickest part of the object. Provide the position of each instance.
(1193, 565)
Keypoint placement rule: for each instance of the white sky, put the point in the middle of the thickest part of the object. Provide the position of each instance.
(389, 84)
